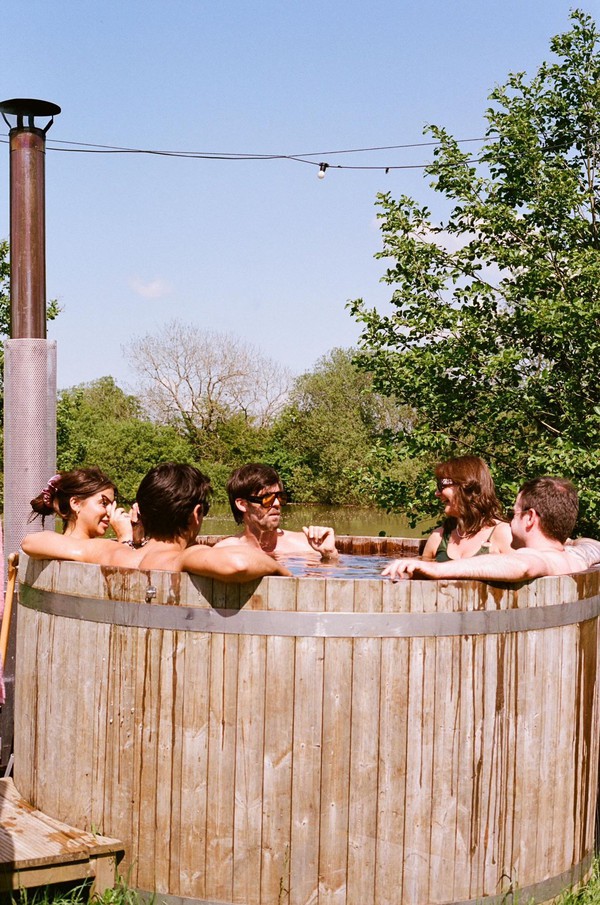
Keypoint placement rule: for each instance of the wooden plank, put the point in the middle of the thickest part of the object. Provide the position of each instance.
(306, 758)
(149, 849)
(167, 760)
(27, 701)
(393, 740)
(171, 759)
(364, 752)
(194, 781)
(85, 698)
(335, 752)
(249, 755)
(419, 751)
(221, 767)
(277, 761)
(446, 751)
(35, 848)
(98, 725)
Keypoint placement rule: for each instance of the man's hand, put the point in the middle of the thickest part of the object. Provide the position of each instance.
(411, 568)
(322, 540)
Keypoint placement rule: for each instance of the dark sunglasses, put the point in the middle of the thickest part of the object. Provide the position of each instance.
(267, 499)
(442, 483)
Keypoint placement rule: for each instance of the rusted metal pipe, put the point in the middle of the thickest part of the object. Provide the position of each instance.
(27, 214)
(27, 234)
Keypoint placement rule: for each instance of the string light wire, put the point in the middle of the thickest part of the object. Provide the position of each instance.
(76, 147)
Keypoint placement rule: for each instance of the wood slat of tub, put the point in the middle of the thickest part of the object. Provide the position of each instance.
(278, 743)
(249, 768)
(148, 704)
(194, 785)
(48, 715)
(87, 708)
(550, 668)
(419, 749)
(364, 752)
(393, 741)
(306, 754)
(168, 761)
(116, 760)
(384, 546)
(443, 786)
(335, 750)
(221, 766)
(26, 714)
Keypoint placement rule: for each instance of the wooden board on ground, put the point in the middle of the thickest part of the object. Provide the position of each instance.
(36, 850)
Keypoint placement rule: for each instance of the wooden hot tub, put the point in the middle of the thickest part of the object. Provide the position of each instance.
(315, 740)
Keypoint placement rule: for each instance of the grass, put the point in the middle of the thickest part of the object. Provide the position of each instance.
(589, 894)
(122, 895)
(67, 894)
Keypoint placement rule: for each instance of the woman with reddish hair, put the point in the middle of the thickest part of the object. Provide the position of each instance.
(474, 523)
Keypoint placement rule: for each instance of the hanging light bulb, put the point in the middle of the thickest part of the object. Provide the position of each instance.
(322, 170)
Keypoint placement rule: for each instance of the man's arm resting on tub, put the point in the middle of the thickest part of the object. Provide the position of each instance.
(521, 565)
(236, 563)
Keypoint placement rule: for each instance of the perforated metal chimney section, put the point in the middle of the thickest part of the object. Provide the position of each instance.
(30, 434)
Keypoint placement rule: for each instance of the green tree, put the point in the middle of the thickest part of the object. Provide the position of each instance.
(324, 442)
(494, 339)
(99, 424)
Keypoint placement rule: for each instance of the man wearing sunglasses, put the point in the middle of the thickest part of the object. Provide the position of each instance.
(543, 519)
(256, 496)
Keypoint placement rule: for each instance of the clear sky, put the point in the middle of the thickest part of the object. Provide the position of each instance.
(262, 249)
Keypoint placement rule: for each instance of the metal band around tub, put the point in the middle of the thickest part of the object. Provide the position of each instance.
(293, 623)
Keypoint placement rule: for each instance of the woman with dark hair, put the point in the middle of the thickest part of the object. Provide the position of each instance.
(474, 523)
(85, 501)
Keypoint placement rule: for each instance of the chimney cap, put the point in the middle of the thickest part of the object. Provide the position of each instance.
(28, 106)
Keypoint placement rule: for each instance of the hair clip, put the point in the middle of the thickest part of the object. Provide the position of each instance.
(49, 490)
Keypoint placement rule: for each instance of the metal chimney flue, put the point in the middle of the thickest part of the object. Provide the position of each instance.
(27, 213)
(29, 358)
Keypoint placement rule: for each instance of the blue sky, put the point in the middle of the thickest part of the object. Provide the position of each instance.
(262, 249)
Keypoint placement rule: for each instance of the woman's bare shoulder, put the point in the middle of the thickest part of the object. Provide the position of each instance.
(432, 543)
(501, 539)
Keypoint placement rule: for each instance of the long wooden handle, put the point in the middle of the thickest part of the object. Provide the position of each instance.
(13, 562)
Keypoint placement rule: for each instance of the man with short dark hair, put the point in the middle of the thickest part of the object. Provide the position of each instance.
(544, 517)
(256, 496)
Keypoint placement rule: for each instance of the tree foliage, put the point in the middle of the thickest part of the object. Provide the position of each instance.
(494, 339)
(324, 440)
(99, 424)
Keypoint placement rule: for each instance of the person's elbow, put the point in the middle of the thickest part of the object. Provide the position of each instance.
(29, 546)
(35, 548)
(244, 565)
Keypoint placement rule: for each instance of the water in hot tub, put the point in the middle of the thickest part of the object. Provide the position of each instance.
(349, 565)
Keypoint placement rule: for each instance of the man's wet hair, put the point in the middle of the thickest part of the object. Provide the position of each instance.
(247, 481)
(556, 502)
(167, 497)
